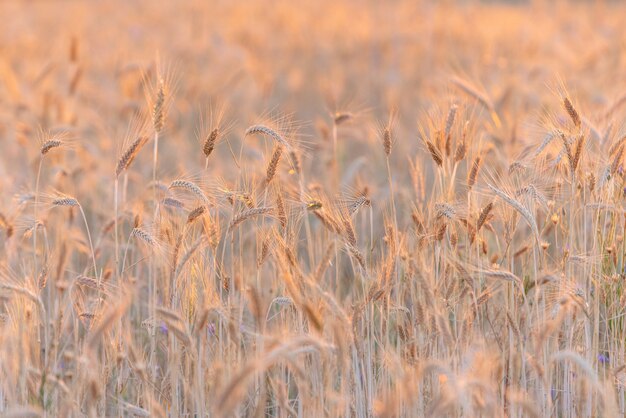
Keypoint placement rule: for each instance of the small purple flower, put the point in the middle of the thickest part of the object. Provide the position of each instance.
(603, 359)
(163, 328)
(553, 393)
(211, 329)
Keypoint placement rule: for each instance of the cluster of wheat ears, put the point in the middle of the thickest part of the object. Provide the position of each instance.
(462, 258)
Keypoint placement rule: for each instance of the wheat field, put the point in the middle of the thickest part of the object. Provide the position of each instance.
(312, 209)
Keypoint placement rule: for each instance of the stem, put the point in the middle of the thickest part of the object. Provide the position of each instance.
(155, 160)
(335, 161)
(117, 244)
(93, 253)
(393, 205)
(35, 209)
(152, 273)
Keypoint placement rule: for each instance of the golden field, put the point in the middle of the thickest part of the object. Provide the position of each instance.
(312, 209)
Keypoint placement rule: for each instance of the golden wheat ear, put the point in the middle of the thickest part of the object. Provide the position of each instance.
(130, 154)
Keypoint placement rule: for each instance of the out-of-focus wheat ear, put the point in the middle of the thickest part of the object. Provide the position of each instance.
(434, 153)
(201, 320)
(482, 218)
(358, 256)
(273, 164)
(472, 91)
(296, 162)
(418, 221)
(43, 277)
(106, 321)
(499, 274)
(580, 146)
(158, 108)
(145, 237)
(269, 132)
(460, 151)
(521, 209)
(342, 117)
(481, 98)
(450, 118)
(348, 231)
(591, 181)
(617, 159)
(190, 187)
(568, 150)
(282, 301)
(441, 231)
(571, 111)
(130, 154)
(484, 297)
(444, 210)
(439, 141)
(281, 213)
(212, 231)
(173, 203)
(448, 131)
(353, 205)
(514, 326)
(24, 291)
(329, 220)
(176, 325)
(546, 141)
(473, 173)
(387, 132)
(196, 214)
(49, 145)
(65, 201)
(209, 143)
(387, 140)
(616, 145)
(188, 254)
(517, 167)
(247, 214)
(313, 316)
(264, 252)
(137, 220)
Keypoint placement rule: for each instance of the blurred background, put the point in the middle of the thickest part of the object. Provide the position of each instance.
(309, 58)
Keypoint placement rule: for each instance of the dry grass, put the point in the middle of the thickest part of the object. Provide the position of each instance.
(312, 209)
